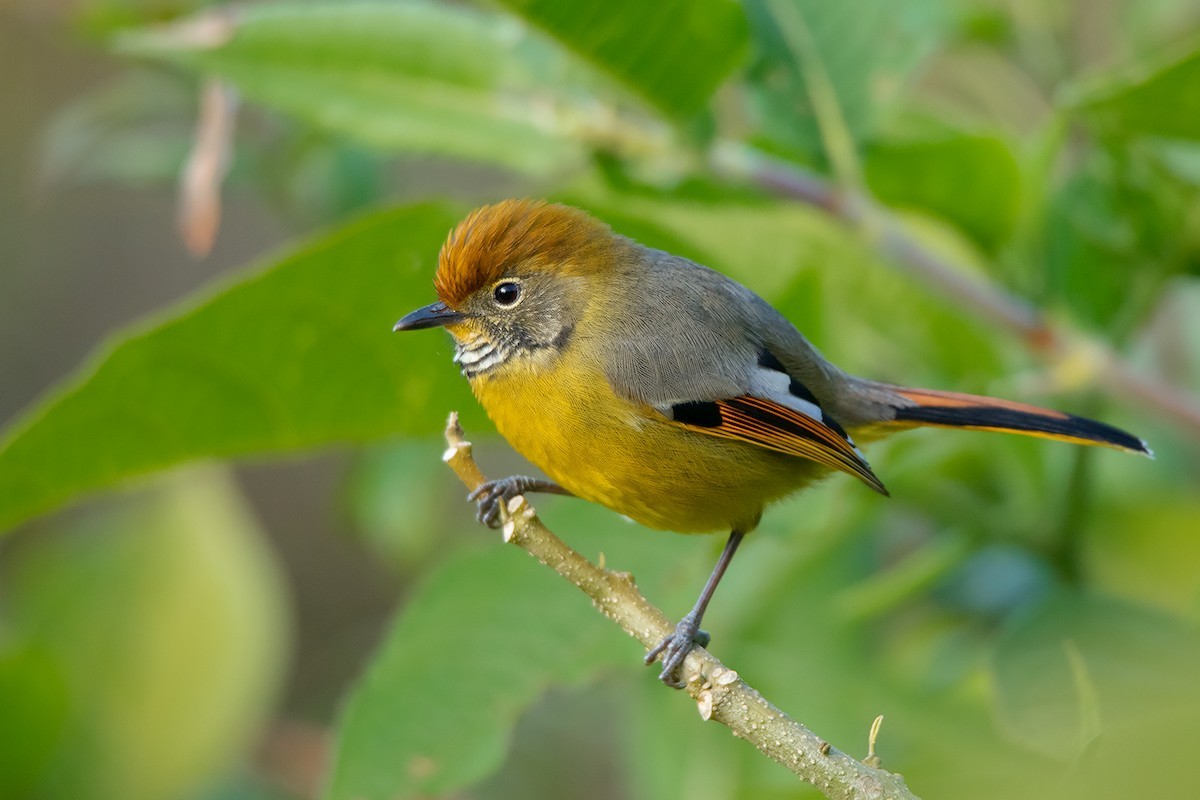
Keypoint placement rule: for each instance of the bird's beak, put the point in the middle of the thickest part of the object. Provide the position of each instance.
(432, 316)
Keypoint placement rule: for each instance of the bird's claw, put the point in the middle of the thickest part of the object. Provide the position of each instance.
(492, 497)
(674, 648)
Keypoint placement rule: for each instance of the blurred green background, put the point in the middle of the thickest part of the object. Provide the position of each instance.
(236, 568)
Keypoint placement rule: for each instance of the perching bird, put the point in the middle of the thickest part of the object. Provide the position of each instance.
(662, 389)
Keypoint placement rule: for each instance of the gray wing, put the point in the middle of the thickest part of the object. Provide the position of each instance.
(708, 353)
(693, 334)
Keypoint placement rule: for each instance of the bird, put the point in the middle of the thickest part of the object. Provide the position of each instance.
(664, 390)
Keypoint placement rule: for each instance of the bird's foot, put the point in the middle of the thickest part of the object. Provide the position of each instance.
(492, 498)
(674, 649)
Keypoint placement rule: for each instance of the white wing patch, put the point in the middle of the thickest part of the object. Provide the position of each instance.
(773, 385)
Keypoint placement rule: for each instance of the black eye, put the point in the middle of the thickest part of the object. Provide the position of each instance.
(507, 293)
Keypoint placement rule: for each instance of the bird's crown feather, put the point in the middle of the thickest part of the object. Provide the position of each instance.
(493, 241)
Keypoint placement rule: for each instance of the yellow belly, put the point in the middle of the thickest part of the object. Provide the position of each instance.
(613, 452)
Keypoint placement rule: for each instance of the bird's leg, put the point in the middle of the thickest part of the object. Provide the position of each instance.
(490, 497)
(675, 647)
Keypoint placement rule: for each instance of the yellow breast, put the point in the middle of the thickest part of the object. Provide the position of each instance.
(565, 418)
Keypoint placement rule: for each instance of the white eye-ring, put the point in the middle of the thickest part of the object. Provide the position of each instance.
(507, 293)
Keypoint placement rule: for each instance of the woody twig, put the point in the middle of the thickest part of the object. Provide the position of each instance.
(719, 693)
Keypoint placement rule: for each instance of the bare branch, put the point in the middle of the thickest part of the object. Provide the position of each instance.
(206, 167)
(718, 691)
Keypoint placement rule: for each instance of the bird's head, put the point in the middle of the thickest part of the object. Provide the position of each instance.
(513, 281)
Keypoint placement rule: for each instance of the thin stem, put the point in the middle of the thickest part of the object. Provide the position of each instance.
(836, 137)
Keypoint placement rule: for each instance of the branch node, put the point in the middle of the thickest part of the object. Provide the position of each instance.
(724, 677)
(704, 704)
(872, 760)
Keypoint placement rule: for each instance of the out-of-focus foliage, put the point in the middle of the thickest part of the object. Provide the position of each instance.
(1023, 613)
(246, 393)
(428, 659)
(143, 651)
(674, 53)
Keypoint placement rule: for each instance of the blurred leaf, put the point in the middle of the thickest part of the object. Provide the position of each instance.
(675, 53)
(1146, 548)
(399, 504)
(1140, 665)
(1181, 159)
(1170, 342)
(983, 87)
(136, 129)
(999, 579)
(35, 702)
(1089, 243)
(904, 580)
(970, 180)
(415, 76)
(1157, 98)
(166, 623)
(477, 644)
(101, 17)
(867, 51)
(296, 355)
(1115, 232)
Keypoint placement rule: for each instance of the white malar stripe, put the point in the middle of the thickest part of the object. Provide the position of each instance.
(478, 355)
(488, 360)
(473, 356)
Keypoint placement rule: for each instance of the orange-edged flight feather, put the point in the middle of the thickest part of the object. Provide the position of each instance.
(777, 427)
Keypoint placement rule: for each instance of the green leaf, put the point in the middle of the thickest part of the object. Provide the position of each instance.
(675, 53)
(1082, 665)
(1157, 98)
(1112, 236)
(414, 76)
(136, 129)
(160, 629)
(481, 640)
(296, 355)
(971, 180)
(865, 50)
(36, 712)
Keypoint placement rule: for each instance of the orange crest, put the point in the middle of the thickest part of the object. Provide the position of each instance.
(496, 240)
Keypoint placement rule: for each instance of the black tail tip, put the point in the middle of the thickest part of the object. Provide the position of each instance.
(988, 414)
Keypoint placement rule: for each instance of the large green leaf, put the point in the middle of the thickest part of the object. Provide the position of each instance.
(970, 179)
(674, 53)
(478, 643)
(864, 51)
(296, 355)
(413, 76)
(1161, 98)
